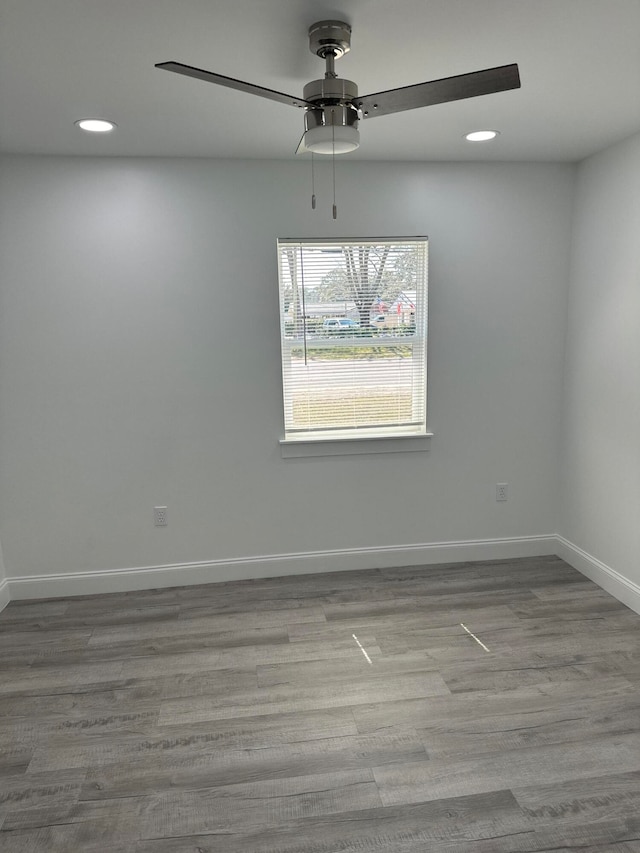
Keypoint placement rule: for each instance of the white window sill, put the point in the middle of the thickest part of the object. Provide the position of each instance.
(297, 448)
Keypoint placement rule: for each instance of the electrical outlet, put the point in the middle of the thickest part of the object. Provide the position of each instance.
(160, 516)
(501, 491)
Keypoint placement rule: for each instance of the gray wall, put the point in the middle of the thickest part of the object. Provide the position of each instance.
(601, 441)
(124, 383)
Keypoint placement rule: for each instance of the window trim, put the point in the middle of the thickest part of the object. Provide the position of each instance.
(340, 441)
(331, 446)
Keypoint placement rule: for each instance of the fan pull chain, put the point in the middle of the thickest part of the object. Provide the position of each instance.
(333, 163)
(313, 183)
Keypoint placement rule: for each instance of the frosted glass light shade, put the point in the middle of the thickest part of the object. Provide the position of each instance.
(329, 138)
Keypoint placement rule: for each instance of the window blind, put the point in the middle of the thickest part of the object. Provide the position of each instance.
(353, 317)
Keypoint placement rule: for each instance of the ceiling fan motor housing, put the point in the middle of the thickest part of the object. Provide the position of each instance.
(331, 91)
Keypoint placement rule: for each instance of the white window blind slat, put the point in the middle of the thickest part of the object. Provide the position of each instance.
(353, 336)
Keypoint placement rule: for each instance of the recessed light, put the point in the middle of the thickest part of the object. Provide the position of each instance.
(95, 125)
(481, 135)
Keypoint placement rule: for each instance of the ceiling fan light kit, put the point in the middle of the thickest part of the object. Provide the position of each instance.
(332, 106)
(331, 128)
(331, 139)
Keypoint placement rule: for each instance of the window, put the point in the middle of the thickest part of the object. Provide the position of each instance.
(353, 317)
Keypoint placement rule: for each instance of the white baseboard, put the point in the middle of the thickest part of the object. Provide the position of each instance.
(5, 597)
(609, 579)
(214, 571)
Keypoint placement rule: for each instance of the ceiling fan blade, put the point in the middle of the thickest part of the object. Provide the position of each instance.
(231, 83)
(440, 91)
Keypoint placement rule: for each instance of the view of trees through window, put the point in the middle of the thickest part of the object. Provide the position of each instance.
(353, 319)
(365, 278)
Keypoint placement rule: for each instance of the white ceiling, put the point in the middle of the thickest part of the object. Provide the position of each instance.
(61, 60)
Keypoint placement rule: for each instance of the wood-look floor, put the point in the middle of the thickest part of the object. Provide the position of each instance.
(469, 708)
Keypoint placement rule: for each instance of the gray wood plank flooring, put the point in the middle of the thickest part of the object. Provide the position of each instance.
(467, 708)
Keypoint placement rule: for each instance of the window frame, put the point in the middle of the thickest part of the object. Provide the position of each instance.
(357, 439)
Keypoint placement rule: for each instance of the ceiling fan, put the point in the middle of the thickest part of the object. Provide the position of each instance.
(332, 106)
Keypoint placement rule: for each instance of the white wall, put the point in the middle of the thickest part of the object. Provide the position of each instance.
(601, 442)
(122, 387)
